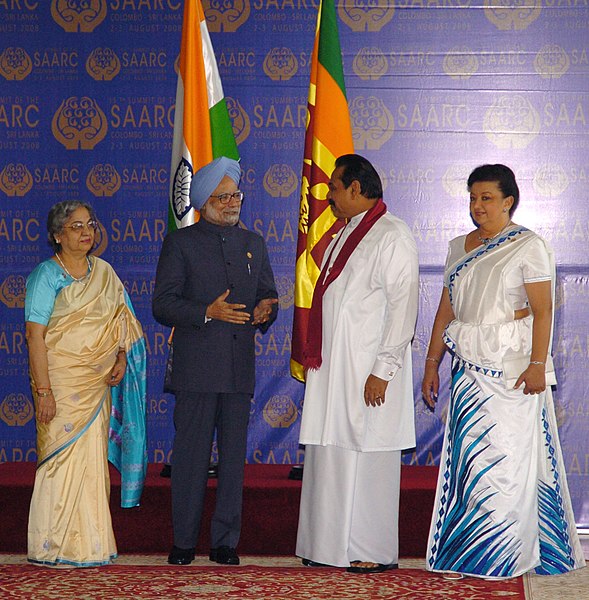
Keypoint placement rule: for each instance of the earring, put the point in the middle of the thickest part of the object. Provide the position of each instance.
(504, 210)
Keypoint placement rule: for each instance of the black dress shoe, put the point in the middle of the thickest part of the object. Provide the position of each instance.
(296, 473)
(224, 555)
(181, 556)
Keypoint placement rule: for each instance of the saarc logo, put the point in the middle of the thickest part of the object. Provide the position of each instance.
(12, 291)
(454, 180)
(103, 64)
(511, 122)
(280, 181)
(78, 16)
(509, 15)
(280, 411)
(373, 123)
(366, 16)
(281, 64)
(460, 63)
(226, 16)
(16, 410)
(79, 123)
(240, 120)
(285, 289)
(100, 240)
(370, 64)
(103, 180)
(552, 62)
(15, 64)
(550, 180)
(15, 180)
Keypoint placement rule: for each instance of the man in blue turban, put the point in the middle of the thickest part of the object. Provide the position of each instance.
(215, 286)
(205, 180)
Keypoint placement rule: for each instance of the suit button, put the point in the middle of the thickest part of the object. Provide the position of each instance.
(228, 262)
(232, 286)
(234, 336)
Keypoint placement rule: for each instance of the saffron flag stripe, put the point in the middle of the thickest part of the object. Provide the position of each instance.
(327, 128)
(195, 101)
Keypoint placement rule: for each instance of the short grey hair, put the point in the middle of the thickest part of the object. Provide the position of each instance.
(58, 216)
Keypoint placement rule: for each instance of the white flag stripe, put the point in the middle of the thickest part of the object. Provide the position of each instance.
(214, 87)
(180, 150)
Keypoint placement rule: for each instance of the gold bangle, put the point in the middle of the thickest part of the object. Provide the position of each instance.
(44, 394)
(432, 359)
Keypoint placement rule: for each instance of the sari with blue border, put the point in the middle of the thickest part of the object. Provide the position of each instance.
(69, 519)
(502, 504)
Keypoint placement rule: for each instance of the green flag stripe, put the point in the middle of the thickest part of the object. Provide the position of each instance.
(222, 136)
(171, 219)
(330, 52)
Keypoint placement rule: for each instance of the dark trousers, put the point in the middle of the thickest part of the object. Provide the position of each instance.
(196, 416)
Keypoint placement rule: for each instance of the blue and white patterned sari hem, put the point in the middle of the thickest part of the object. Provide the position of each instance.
(488, 521)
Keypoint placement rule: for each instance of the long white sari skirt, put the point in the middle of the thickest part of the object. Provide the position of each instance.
(502, 503)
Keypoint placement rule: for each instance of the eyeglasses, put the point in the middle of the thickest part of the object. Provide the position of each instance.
(226, 198)
(78, 226)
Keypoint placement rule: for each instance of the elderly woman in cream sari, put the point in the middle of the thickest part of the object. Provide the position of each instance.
(502, 504)
(86, 355)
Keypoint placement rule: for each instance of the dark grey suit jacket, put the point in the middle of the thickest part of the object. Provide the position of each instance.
(196, 265)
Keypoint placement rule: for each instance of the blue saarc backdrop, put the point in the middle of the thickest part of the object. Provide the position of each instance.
(435, 88)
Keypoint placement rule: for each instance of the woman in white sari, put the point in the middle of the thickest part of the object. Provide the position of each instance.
(86, 352)
(502, 504)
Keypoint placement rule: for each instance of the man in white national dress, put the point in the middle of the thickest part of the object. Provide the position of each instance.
(358, 409)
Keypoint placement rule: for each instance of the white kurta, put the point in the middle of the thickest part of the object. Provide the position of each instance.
(369, 315)
(353, 451)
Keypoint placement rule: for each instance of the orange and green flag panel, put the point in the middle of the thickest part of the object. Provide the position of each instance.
(328, 135)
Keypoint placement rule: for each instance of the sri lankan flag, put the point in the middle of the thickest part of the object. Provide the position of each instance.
(328, 135)
(202, 127)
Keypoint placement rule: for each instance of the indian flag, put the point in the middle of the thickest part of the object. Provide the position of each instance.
(328, 135)
(202, 127)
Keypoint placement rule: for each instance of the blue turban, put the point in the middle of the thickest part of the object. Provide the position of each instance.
(206, 179)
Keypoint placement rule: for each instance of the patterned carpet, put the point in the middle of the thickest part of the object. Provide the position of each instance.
(247, 582)
(268, 578)
(121, 582)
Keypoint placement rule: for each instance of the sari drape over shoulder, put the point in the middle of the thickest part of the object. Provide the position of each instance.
(69, 520)
(502, 503)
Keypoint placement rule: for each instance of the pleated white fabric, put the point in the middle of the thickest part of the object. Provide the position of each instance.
(350, 512)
